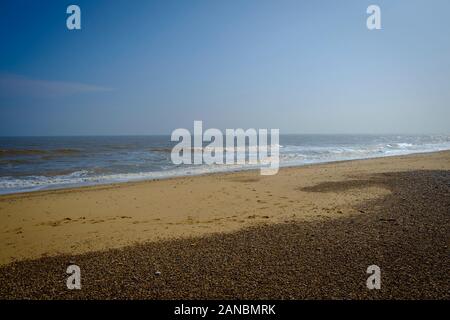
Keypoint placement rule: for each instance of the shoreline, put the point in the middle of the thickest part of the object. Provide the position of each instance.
(405, 232)
(95, 218)
(225, 172)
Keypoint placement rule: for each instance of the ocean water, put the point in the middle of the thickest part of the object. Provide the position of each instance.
(36, 163)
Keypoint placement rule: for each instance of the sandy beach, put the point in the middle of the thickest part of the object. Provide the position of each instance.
(307, 232)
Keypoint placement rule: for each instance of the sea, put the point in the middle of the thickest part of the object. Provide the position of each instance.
(40, 163)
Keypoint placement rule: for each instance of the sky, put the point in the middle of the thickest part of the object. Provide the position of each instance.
(149, 67)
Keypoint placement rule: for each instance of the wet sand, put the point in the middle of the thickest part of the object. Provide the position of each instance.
(308, 232)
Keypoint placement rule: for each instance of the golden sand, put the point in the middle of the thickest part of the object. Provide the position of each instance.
(88, 219)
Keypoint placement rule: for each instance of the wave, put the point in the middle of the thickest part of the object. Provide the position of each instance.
(21, 152)
(400, 145)
(11, 162)
(297, 155)
(160, 149)
(208, 148)
(83, 178)
(134, 167)
(66, 151)
(34, 152)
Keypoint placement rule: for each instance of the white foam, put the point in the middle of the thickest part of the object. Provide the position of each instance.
(290, 155)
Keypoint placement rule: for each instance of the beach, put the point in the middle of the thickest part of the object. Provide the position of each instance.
(307, 232)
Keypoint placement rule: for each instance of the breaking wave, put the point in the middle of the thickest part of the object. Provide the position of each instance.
(89, 162)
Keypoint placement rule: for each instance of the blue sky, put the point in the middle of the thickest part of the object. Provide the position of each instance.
(149, 67)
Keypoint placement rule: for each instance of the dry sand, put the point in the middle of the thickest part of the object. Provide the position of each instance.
(87, 219)
(308, 232)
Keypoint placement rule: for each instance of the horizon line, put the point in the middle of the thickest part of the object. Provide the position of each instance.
(168, 134)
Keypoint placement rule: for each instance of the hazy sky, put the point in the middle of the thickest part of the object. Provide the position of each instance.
(144, 67)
